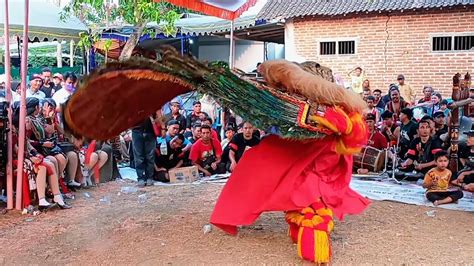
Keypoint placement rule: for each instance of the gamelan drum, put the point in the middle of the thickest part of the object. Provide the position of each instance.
(370, 158)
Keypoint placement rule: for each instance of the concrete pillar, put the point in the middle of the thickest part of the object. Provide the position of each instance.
(71, 53)
(290, 43)
(59, 54)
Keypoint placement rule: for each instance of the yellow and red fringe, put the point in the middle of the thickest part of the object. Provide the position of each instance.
(310, 229)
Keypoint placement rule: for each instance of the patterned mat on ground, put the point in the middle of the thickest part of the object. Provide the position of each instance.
(409, 193)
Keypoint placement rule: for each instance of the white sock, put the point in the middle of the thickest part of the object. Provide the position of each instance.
(43, 202)
(59, 199)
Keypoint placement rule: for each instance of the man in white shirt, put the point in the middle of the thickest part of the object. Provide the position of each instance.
(68, 89)
(36, 81)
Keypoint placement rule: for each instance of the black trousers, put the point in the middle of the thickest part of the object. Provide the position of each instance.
(455, 195)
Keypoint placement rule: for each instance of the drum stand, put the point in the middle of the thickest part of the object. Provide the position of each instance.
(390, 177)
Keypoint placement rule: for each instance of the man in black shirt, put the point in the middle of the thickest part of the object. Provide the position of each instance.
(176, 115)
(196, 115)
(422, 150)
(169, 155)
(144, 143)
(48, 85)
(406, 131)
(240, 143)
(465, 178)
(440, 125)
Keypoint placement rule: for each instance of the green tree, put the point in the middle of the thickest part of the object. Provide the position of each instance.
(102, 14)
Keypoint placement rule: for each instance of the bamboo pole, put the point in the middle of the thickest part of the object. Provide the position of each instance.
(8, 89)
(21, 131)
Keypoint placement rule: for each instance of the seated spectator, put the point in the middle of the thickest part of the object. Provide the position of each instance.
(440, 127)
(465, 178)
(427, 92)
(375, 138)
(229, 134)
(396, 104)
(406, 132)
(422, 150)
(195, 134)
(196, 115)
(168, 156)
(372, 109)
(206, 153)
(240, 143)
(388, 126)
(172, 131)
(379, 103)
(176, 115)
(386, 97)
(437, 182)
(208, 121)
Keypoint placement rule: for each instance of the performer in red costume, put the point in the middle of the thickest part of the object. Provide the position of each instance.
(305, 171)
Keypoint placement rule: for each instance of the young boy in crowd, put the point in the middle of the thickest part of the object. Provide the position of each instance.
(437, 182)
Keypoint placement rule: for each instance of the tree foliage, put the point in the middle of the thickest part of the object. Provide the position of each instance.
(102, 14)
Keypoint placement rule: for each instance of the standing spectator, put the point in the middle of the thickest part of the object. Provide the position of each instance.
(357, 77)
(176, 115)
(375, 138)
(443, 106)
(437, 182)
(48, 85)
(366, 85)
(396, 104)
(143, 141)
(407, 93)
(69, 87)
(378, 99)
(58, 81)
(196, 115)
(240, 143)
(34, 89)
(206, 153)
(427, 92)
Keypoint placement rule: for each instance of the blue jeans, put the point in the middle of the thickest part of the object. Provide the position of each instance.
(144, 154)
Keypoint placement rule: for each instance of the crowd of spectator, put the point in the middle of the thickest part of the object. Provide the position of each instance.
(415, 135)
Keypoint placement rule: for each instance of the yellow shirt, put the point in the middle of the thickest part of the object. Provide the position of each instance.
(436, 180)
(356, 83)
(407, 93)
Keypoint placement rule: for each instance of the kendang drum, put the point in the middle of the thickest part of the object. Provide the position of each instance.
(370, 158)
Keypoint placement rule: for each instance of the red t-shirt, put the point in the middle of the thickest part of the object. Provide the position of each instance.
(377, 141)
(200, 151)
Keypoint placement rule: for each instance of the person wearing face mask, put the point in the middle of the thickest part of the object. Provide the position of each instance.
(67, 90)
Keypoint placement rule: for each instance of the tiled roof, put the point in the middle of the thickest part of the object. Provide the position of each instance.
(300, 8)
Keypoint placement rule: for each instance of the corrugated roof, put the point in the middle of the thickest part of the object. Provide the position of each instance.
(282, 9)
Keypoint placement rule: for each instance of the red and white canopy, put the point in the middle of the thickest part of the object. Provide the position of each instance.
(226, 9)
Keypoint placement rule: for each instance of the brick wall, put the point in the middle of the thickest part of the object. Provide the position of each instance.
(392, 44)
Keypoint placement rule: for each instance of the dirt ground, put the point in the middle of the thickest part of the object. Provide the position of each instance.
(168, 229)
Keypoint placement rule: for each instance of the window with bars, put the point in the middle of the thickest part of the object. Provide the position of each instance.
(337, 47)
(327, 48)
(453, 43)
